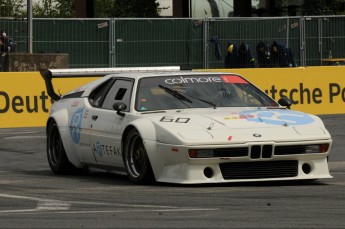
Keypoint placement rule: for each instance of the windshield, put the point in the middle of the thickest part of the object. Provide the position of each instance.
(198, 91)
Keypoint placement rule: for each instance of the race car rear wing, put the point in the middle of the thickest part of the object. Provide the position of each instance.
(49, 74)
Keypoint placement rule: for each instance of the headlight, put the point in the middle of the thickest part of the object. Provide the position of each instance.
(322, 148)
(201, 153)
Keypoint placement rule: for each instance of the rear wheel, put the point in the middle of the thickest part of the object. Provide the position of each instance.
(136, 160)
(56, 153)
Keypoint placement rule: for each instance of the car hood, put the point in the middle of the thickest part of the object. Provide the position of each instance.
(221, 126)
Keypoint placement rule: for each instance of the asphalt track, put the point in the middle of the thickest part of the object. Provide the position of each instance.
(32, 197)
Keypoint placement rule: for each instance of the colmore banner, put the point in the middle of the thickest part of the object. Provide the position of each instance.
(24, 101)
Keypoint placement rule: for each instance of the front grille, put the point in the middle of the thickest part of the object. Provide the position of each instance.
(287, 150)
(261, 151)
(256, 152)
(231, 152)
(267, 151)
(259, 170)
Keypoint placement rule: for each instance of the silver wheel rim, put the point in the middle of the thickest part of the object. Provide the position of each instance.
(135, 157)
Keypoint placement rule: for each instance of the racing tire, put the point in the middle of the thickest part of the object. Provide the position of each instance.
(56, 153)
(136, 161)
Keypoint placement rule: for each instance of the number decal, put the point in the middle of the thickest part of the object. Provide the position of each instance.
(182, 120)
(171, 119)
(166, 119)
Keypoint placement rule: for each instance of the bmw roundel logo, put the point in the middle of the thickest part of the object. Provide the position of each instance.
(257, 135)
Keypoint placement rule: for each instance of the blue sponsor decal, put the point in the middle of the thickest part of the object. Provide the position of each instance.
(75, 124)
(278, 117)
(99, 149)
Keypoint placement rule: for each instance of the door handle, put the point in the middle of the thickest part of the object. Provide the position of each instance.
(94, 117)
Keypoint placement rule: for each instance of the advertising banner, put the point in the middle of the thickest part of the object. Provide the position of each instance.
(315, 90)
(24, 101)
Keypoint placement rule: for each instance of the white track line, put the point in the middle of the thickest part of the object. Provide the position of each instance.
(42, 205)
(24, 137)
(62, 207)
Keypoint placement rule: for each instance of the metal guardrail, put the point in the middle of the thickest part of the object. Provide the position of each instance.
(189, 43)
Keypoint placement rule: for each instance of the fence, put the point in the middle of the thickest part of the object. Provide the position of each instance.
(190, 43)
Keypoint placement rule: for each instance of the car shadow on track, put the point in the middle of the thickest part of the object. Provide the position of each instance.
(256, 184)
(111, 178)
(101, 177)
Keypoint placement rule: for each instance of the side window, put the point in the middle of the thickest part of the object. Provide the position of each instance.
(120, 92)
(97, 96)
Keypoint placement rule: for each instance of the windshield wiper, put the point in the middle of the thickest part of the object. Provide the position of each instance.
(184, 98)
(205, 101)
(175, 93)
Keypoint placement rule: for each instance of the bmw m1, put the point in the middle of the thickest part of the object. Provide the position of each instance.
(166, 125)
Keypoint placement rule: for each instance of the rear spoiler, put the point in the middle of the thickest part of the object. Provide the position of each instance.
(49, 74)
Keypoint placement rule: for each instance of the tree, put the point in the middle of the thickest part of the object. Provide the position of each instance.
(54, 9)
(126, 8)
(103, 8)
(135, 8)
(12, 8)
(66, 8)
(323, 7)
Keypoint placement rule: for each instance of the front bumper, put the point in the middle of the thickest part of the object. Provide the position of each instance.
(172, 164)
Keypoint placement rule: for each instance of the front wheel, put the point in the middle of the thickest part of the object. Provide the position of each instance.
(136, 160)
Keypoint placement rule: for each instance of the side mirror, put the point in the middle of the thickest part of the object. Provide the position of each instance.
(119, 107)
(285, 101)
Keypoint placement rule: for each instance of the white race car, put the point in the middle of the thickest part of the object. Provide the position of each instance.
(182, 127)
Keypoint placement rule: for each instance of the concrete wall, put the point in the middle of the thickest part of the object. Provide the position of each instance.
(24, 62)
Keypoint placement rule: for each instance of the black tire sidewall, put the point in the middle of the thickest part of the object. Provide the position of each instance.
(62, 165)
(147, 175)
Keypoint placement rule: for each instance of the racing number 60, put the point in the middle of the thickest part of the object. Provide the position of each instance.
(171, 119)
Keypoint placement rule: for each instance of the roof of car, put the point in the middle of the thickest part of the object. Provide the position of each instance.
(106, 73)
(136, 75)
